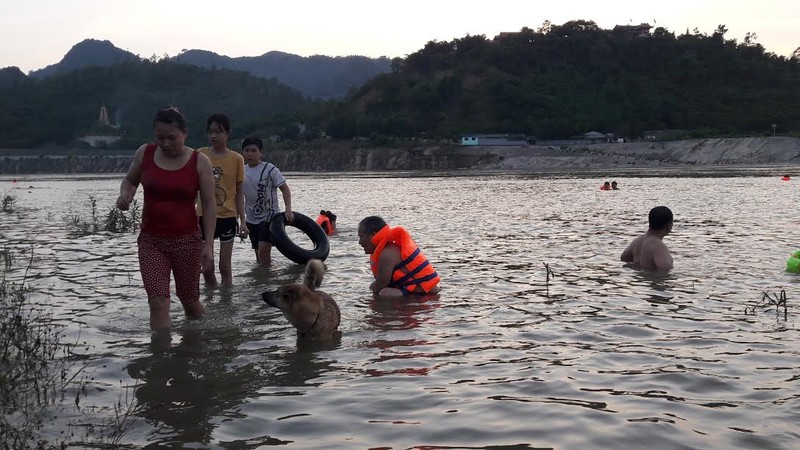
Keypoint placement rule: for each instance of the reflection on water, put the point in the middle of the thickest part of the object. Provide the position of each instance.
(594, 355)
(185, 387)
(400, 349)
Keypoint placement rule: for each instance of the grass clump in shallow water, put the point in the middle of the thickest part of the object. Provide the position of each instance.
(34, 366)
(7, 204)
(7, 258)
(118, 221)
(37, 370)
(115, 221)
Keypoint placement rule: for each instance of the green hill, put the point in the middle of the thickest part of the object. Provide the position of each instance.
(87, 53)
(555, 82)
(60, 108)
(316, 76)
(565, 80)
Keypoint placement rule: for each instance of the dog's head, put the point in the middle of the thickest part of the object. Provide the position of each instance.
(298, 303)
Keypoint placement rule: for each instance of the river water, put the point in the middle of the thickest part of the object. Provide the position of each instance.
(597, 355)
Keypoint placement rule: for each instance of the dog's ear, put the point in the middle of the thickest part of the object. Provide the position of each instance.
(288, 293)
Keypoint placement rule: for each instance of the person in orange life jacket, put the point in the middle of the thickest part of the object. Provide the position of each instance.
(606, 186)
(327, 220)
(398, 265)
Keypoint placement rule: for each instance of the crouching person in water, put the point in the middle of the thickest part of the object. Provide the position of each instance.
(396, 261)
(169, 241)
(648, 251)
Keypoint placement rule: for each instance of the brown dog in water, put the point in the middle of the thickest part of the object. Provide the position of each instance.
(313, 313)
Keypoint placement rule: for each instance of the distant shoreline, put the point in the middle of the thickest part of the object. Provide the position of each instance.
(64, 151)
(704, 154)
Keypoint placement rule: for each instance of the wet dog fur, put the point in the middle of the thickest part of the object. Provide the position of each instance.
(314, 314)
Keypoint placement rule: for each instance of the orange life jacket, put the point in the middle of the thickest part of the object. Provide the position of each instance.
(325, 223)
(605, 188)
(414, 274)
(785, 178)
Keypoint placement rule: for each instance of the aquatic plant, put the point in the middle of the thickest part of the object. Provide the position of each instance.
(35, 367)
(78, 225)
(548, 274)
(7, 204)
(118, 221)
(7, 258)
(36, 370)
(777, 300)
(115, 221)
(108, 433)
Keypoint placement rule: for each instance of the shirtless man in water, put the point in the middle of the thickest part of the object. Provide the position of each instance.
(648, 250)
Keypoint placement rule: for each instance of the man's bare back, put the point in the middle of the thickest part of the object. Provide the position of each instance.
(648, 252)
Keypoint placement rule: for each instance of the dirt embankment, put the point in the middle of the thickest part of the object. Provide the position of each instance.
(699, 152)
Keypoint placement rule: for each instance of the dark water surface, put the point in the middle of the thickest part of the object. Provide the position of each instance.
(600, 356)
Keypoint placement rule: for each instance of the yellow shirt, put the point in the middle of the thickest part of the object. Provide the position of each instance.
(228, 170)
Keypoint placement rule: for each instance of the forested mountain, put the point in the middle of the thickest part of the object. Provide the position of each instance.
(11, 76)
(554, 82)
(316, 76)
(59, 108)
(565, 80)
(87, 53)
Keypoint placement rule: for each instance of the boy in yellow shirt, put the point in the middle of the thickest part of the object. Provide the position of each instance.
(228, 168)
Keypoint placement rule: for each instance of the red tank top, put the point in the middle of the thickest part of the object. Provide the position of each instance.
(169, 197)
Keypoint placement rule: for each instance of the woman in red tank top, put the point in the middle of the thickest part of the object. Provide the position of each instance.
(171, 175)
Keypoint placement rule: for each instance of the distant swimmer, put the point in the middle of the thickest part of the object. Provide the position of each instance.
(648, 251)
(327, 220)
(606, 186)
(614, 186)
(785, 178)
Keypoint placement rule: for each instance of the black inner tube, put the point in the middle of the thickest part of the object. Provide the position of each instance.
(289, 249)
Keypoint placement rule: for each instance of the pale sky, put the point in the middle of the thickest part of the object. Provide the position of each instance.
(37, 33)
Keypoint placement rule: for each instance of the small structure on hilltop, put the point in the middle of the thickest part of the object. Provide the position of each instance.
(505, 34)
(104, 116)
(494, 139)
(102, 133)
(637, 31)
